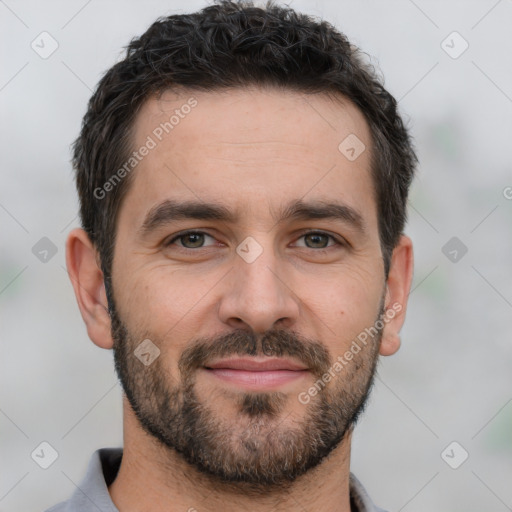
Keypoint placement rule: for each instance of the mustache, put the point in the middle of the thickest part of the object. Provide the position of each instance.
(274, 343)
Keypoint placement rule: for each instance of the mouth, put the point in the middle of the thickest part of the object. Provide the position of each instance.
(257, 373)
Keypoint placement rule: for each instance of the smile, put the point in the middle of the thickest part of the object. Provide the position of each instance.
(257, 374)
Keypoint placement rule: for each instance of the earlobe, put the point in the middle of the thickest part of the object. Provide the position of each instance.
(88, 283)
(390, 344)
(398, 287)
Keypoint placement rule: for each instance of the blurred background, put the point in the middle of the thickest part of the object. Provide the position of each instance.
(437, 434)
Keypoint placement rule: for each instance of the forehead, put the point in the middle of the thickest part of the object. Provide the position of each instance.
(250, 148)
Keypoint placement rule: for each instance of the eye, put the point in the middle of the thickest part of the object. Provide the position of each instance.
(190, 239)
(318, 240)
(196, 240)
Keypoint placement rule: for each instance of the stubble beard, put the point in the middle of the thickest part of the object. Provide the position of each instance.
(264, 448)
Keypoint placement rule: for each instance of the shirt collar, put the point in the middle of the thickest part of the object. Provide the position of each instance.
(92, 494)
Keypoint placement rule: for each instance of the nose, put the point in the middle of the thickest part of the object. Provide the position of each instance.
(257, 295)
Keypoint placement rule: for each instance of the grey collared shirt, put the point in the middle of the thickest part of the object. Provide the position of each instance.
(92, 494)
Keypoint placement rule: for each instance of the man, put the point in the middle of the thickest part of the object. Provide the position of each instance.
(243, 179)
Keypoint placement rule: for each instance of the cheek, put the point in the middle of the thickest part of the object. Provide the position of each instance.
(163, 305)
(350, 296)
(346, 312)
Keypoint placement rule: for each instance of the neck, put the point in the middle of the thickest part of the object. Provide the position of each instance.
(154, 478)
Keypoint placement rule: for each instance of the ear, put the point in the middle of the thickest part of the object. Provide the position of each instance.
(87, 280)
(398, 286)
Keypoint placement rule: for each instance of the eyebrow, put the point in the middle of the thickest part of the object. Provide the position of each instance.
(172, 210)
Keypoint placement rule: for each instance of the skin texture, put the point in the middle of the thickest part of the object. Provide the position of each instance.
(254, 151)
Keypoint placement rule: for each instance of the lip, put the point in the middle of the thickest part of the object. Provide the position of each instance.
(256, 364)
(257, 373)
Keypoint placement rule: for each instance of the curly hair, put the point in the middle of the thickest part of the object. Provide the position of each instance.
(236, 45)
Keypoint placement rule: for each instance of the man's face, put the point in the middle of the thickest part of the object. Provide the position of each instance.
(248, 311)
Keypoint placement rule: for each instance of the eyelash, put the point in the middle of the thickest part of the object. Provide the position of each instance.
(183, 234)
